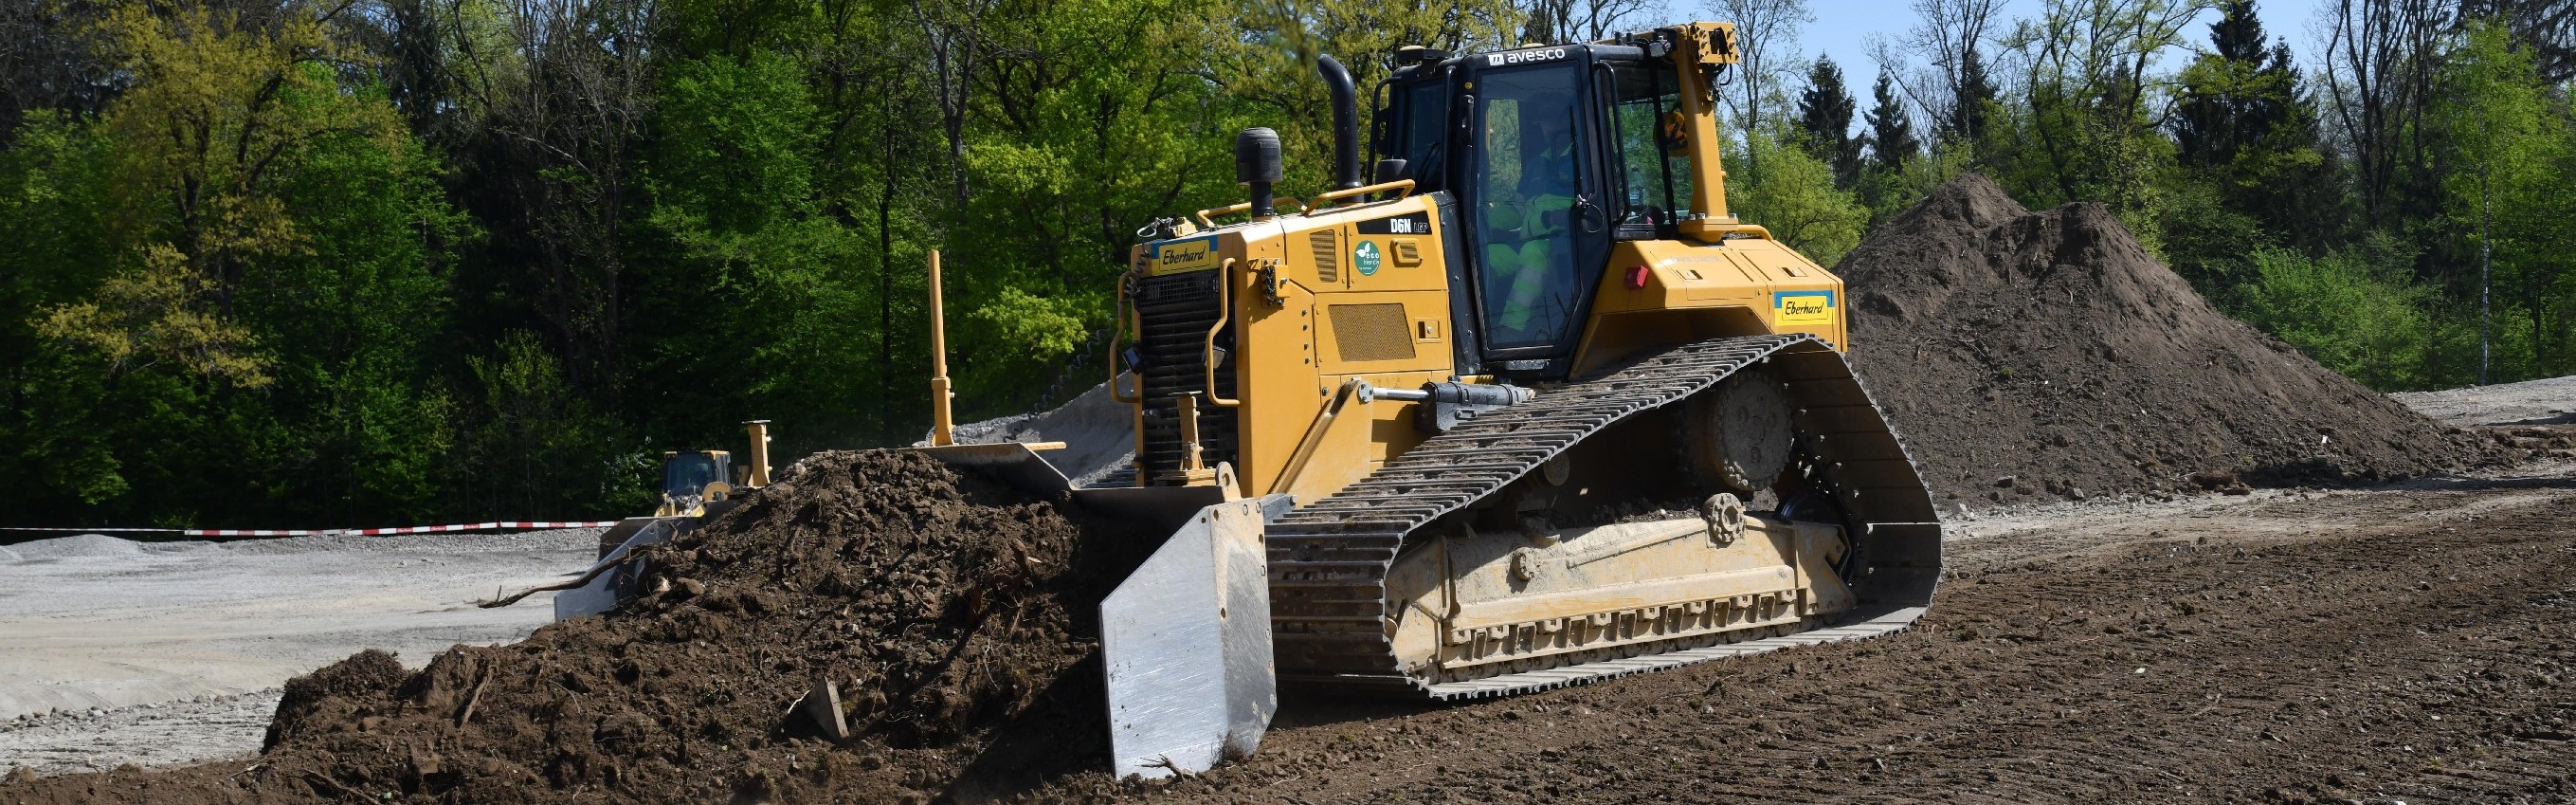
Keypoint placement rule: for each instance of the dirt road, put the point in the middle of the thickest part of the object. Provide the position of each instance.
(2414, 645)
(2550, 401)
(166, 653)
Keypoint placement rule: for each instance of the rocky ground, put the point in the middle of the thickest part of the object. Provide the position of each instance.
(2414, 643)
(113, 651)
(2411, 644)
(2550, 401)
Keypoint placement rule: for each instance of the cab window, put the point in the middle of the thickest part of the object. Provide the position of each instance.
(1529, 180)
(1653, 167)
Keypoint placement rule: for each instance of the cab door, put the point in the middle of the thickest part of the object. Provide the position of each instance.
(1537, 231)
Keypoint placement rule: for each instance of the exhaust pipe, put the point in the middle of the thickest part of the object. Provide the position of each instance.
(1346, 122)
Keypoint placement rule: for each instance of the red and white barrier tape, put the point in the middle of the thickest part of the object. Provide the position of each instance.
(329, 532)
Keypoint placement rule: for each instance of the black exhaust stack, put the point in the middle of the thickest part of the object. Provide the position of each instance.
(1346, 122)
(1256, 164)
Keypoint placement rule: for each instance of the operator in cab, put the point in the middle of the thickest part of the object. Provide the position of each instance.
(1530, 250)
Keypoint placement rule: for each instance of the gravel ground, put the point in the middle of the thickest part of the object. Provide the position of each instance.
(2404, 645)
(2531, 402)
(113, 652)
(172, 652)
(172, 733)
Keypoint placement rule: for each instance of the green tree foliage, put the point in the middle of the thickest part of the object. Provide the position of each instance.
(2084, 130)
(295, 262)
(236, 314)
(1824, 123)
(2251, 165)
(1794, 197)
(1973, 103)
(1891, 130)
(2509, 147)
(2358, 311)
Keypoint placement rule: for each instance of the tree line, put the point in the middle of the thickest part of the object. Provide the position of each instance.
(343, 262)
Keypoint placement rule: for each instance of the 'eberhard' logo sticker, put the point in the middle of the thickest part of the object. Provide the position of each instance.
(1176, 256)
(1802, 307)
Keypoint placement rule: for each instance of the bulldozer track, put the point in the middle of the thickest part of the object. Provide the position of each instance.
(1329, 559)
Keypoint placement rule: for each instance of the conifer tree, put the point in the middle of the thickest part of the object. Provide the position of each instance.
(1824, 122)
(1976, 94)
(1891, 130)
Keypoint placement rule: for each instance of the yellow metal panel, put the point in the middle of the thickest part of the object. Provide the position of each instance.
(1376, 324)
(1694, 290)
(1369, 331)
(1287, 362)
(1327, 251)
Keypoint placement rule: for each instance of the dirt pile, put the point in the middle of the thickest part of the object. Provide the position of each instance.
(956, 617)
(2028, 356)
(2532, 442)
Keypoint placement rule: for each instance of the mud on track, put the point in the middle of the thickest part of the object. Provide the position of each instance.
(2415, 645)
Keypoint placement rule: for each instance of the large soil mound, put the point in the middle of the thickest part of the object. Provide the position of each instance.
(957, 617)
(2047, 355)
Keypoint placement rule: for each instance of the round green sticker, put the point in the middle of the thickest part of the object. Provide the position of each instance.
(1365, 258)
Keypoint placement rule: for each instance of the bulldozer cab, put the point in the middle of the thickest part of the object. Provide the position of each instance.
(1553, 154)
(688, 473)
(692, 478)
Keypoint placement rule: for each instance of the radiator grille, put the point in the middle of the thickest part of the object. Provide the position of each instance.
(1328, 255)
(1374, 332)
(1176, 311)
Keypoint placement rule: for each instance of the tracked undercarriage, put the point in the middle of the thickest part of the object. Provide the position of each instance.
(1450, 572)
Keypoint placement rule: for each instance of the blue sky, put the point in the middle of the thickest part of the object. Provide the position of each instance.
(1842, 28)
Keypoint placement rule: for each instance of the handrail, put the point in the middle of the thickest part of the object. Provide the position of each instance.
(1403, 185)
(1126, 316)
(1224, 311)
(1231, 209)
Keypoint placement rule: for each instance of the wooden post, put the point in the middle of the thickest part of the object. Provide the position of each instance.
(940, 424)
(758, 431)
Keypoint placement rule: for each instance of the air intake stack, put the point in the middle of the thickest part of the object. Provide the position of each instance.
(1256, 165)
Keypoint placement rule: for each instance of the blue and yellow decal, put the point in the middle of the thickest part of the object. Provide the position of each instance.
(1177, 256)
(1802, 307)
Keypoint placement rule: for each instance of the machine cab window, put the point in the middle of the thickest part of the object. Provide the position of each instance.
(1537, 228)
(685, 475)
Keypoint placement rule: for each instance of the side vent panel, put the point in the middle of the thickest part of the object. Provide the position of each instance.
(1328, 255)
(1374, 332)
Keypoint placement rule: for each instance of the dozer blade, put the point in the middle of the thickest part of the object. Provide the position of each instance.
(611, 580)
(1186, 640)
(1163, 507)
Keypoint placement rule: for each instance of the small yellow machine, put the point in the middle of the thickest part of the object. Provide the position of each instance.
(1536, 408)
(691, 479)
(696, 484)
(694, 488)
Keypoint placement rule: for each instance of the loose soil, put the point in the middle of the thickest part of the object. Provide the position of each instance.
(2412, 644)
(2047, 355)
(956, 617)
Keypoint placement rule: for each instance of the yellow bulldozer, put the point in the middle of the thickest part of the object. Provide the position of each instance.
(1524, 408)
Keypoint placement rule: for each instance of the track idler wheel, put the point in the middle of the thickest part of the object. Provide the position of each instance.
(1737, 436)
